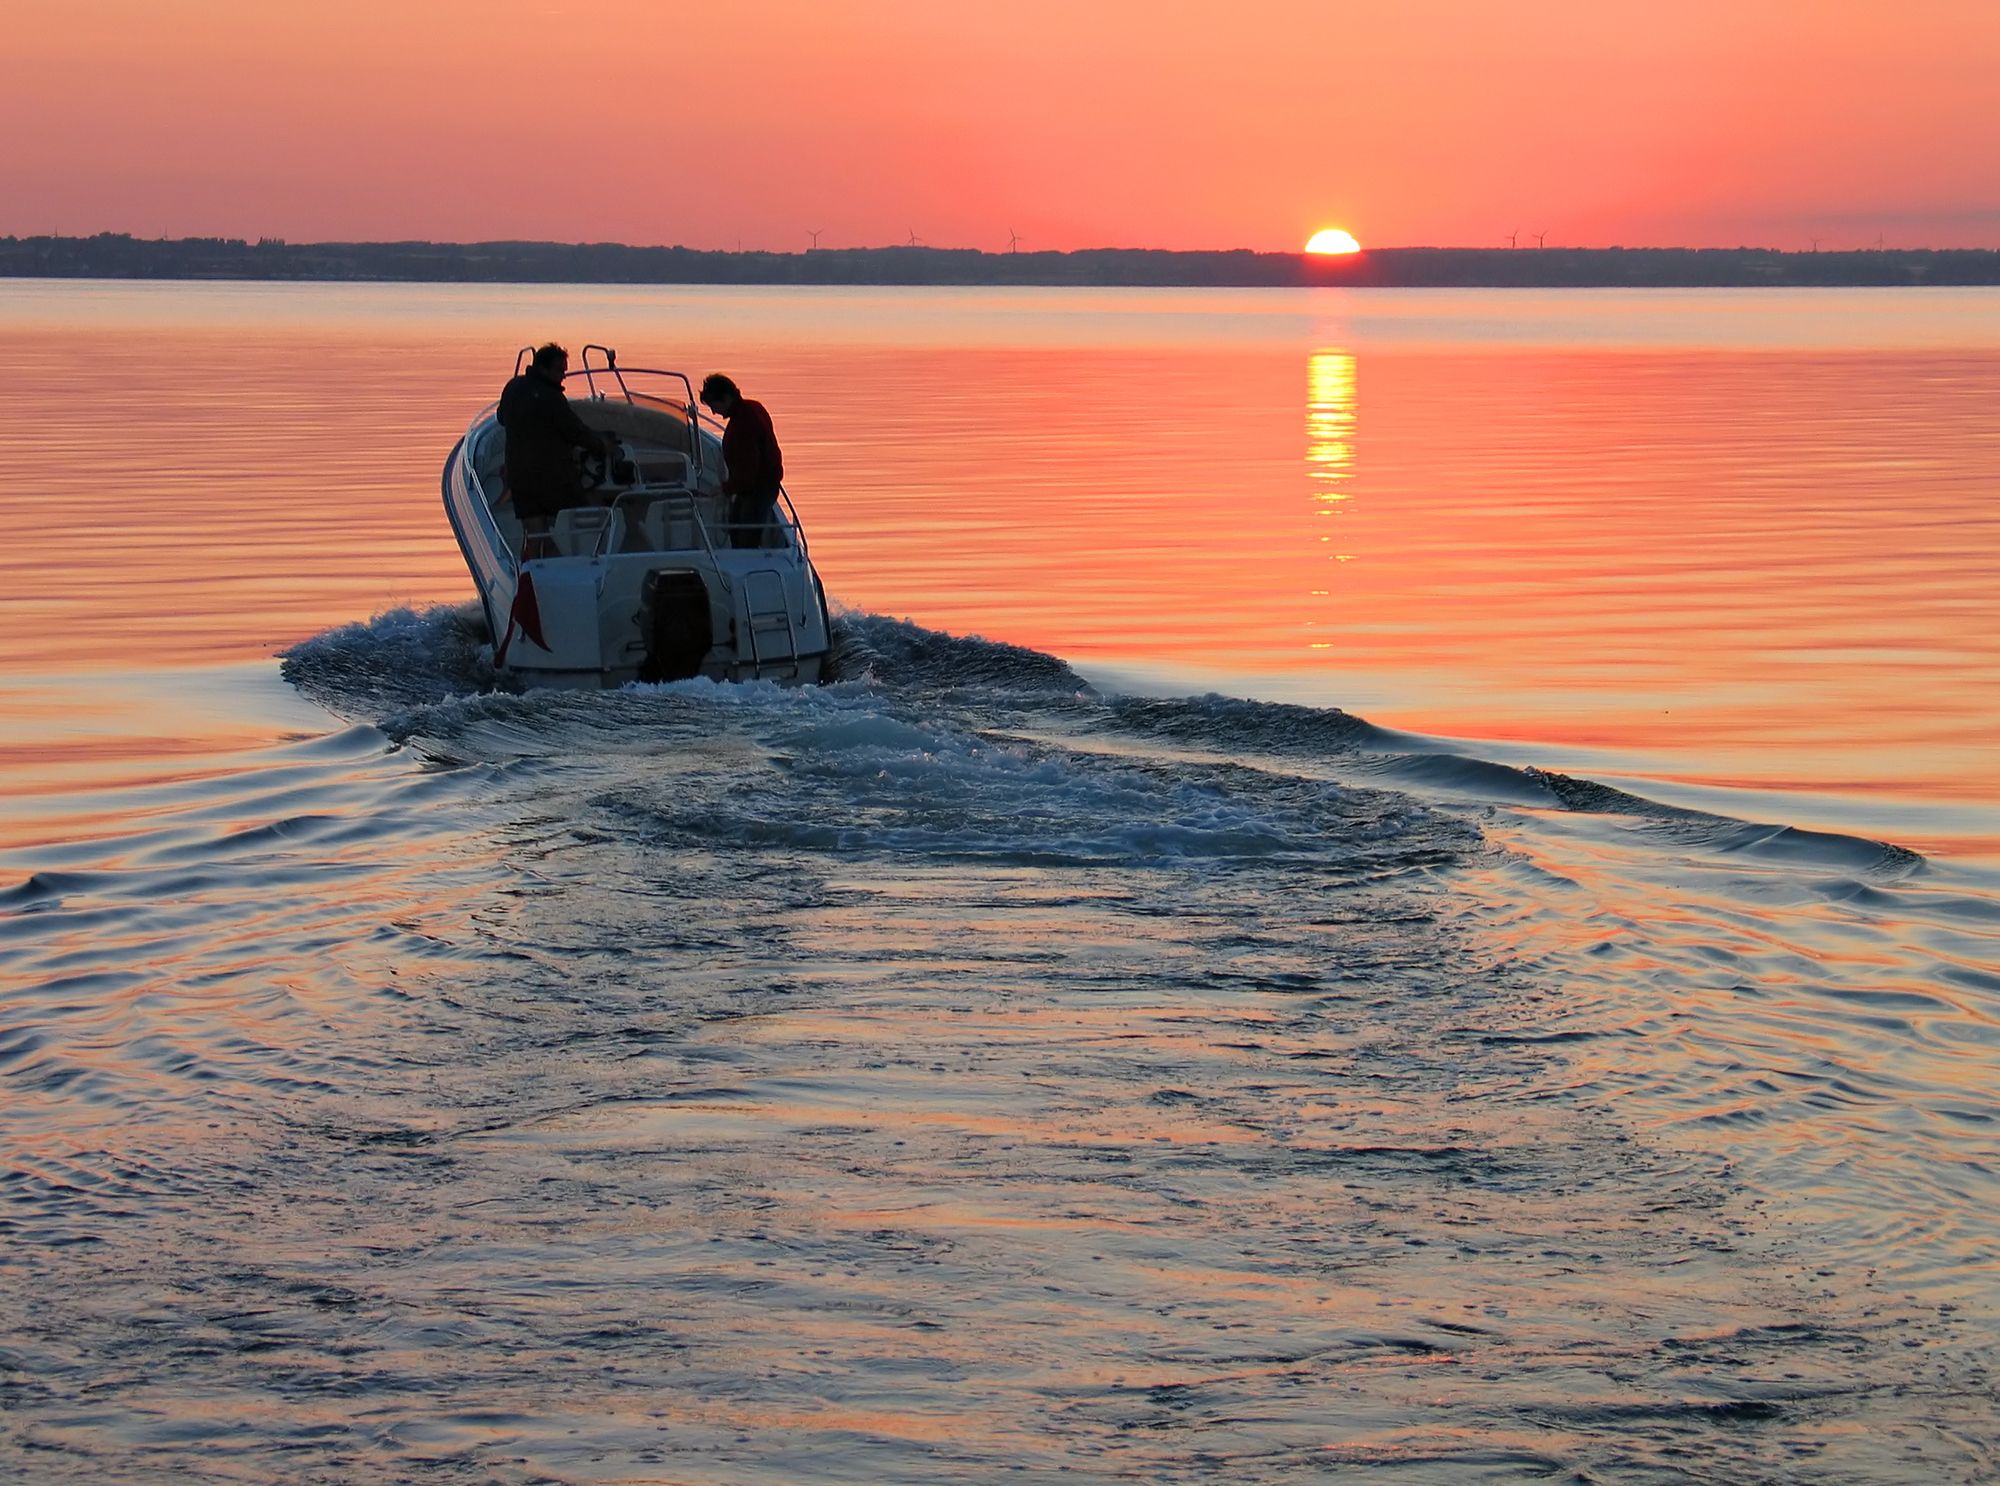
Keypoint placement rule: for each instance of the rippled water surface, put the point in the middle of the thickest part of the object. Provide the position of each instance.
(1449, 929)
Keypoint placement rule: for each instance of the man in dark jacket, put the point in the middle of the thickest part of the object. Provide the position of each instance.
(754, 467)
(543, 435)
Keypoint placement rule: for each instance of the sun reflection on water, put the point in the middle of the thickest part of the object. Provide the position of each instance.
(1330, 384)
(1330, 416)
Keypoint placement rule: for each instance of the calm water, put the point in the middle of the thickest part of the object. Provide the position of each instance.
(1449, 929)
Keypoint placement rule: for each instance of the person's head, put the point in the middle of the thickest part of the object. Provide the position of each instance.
(551, 361)
(719, 394)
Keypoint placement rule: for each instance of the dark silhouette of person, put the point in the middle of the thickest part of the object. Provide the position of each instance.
(543, 435)
(754, 467)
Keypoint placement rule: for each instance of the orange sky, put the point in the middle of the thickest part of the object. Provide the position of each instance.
(1076, 123)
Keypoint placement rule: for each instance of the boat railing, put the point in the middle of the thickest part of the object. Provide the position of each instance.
(791, 519)
(599, 364)
(782, 516)
(475, 449)
(683, 504)
(605, 368)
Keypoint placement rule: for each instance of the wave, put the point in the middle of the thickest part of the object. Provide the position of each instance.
(401, 657)
(897, 654)
(974, 719)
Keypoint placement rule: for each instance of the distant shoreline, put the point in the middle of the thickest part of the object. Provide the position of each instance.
(117, 256)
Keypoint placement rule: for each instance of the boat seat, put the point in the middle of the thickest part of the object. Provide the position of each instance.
(580, 531)
(671, 525)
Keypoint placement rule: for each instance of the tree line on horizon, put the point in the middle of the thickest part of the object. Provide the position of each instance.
(122, 256)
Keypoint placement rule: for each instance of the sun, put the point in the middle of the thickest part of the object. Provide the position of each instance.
(1333, 240)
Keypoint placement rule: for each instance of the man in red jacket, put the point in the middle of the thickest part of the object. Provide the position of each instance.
(753, 465)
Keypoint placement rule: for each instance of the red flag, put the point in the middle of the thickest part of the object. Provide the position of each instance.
(526, 616)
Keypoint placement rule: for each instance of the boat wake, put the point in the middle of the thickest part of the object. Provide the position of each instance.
(420, 674)
(957, 1072)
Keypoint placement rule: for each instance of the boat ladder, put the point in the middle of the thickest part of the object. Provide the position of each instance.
(768, 615)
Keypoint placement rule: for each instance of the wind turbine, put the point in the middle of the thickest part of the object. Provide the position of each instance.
(1013, 241)
(1541, 239)
(915, 241)
(1512, 238)
(814, 235)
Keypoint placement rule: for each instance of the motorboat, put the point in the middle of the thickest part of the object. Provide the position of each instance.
(645, 581)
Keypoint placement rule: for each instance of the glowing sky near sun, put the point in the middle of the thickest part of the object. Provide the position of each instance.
(1120, 122)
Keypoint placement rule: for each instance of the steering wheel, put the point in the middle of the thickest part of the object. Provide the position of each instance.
(594, 467)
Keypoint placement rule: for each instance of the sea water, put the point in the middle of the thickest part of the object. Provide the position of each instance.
(1393, 886)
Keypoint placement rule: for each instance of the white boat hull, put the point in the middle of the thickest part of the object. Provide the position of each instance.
(616, 596)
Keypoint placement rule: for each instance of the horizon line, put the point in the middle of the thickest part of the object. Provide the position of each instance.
(894, 247)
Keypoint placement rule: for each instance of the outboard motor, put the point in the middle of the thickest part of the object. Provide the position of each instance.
(674, 619)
